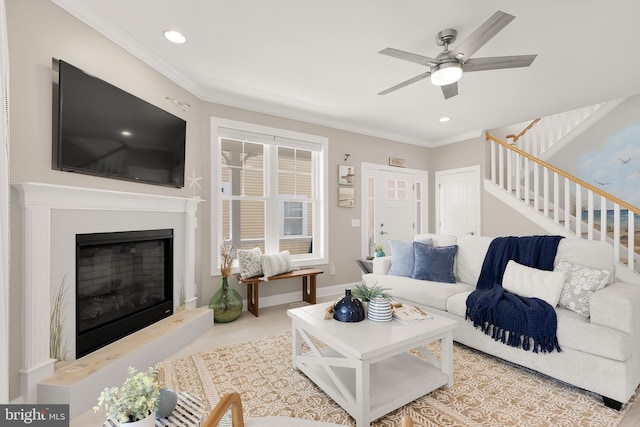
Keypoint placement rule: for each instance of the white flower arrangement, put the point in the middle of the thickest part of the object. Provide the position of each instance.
(135, 400)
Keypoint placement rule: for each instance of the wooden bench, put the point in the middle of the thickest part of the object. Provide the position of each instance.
(308, 286)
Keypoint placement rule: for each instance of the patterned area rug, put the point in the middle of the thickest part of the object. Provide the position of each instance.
(487, 391)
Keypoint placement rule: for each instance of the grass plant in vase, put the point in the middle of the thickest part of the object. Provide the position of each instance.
(368, 293)
(57, 345)
(226, 302)
(134, 403)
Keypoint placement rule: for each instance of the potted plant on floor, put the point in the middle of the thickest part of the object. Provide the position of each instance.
(133, 404)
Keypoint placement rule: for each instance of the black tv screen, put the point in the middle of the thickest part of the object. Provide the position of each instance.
(102, 130)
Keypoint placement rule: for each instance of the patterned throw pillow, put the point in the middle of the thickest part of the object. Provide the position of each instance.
(581, 283)
(276, 264)
(249, 262)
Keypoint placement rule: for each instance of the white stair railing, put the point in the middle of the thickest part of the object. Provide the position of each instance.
(580, 208)
(542, 133)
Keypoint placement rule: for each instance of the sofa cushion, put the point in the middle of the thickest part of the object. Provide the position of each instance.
(580, 283)
(437, 239)
(457, 304)
(434, 263)
(421, 292)
(471, 252)
(402, 257)
(577, 332)
(594, 253)
(532, 282)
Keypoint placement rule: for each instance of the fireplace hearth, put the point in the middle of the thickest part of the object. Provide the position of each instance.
(124, 282)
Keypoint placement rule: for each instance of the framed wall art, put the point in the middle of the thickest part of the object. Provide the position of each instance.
(346, 175)
(346, 197)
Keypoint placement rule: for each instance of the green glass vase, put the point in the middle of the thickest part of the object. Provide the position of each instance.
(226, 303)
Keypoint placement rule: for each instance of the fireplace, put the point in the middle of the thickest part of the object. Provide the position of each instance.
(124, 282)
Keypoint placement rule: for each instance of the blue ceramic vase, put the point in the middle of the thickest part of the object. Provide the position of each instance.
(348, 309)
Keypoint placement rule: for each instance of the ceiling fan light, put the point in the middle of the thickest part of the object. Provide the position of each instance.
(446, 73)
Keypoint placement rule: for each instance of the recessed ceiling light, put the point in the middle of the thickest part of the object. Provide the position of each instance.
(125, 133)
(175, 36)
(444, 119)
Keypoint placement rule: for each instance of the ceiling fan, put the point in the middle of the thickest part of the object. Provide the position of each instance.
(446, 69)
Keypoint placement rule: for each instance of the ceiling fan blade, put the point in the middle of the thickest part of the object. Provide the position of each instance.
(450, 90)
(495, 63)
(482, 34)
(408, 56)
(406, 83)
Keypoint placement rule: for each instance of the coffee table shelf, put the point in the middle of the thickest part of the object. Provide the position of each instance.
(366, 367)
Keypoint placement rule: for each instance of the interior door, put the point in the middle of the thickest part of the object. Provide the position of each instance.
(458, 201)
(395, 213)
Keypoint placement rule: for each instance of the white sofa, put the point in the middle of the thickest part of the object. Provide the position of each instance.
(600, 354)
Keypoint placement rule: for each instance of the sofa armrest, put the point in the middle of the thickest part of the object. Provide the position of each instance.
(381, 264)
(617, 306)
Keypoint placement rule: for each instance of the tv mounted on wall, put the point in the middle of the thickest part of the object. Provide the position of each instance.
(99, 129)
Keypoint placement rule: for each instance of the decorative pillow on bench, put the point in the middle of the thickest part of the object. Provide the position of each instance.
(249, 261)
(273, 265)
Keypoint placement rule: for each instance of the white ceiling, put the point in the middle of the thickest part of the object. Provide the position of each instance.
(318, 61)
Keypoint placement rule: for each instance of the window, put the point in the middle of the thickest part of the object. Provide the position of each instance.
(269, 191)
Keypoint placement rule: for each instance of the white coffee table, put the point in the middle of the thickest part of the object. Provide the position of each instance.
(365, 366)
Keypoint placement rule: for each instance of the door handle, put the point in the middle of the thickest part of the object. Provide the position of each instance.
(383, 232)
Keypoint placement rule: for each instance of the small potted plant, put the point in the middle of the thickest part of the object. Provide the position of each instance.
(133, 404)
(366, 293)
(379, 250)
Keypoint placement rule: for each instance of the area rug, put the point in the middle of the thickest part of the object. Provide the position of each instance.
(487, 391)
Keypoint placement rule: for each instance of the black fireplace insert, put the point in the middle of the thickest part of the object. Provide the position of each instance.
(124, 282)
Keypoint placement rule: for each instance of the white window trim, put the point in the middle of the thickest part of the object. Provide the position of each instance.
(321, 189)
(305, 217)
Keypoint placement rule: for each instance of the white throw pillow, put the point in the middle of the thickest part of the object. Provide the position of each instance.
(276, 264)
(250, 263)
(533, 283)
(581, 282)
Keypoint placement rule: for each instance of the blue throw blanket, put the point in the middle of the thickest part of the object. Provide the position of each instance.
(515, 321)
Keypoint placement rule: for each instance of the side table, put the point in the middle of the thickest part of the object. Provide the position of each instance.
(188, 413)
(366, 265)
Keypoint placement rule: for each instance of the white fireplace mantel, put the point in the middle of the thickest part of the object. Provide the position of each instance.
(38, 202)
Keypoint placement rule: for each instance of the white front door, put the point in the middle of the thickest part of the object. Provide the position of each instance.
(458, 201)
(395, 213)
(393, 205)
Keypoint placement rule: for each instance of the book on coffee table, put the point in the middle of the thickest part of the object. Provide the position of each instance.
(406, 313)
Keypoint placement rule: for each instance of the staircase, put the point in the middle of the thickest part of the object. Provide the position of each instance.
(561, 203)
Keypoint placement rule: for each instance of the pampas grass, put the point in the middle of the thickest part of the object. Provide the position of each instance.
(57, 344)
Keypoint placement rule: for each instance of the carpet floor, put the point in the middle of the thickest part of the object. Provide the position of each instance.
(486, 392)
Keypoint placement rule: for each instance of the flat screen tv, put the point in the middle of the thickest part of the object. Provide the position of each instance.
(99, 129)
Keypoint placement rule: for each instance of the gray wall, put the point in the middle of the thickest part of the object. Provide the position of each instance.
(38, 30)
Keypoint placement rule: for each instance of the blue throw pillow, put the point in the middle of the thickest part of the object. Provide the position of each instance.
(434, 263)
(402, 257)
